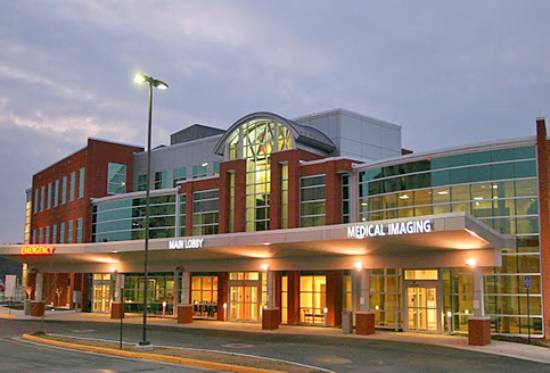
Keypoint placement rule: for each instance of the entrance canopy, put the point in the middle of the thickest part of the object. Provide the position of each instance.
(438, 241)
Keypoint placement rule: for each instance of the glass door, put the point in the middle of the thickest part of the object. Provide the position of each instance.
(244, 303)
(422, 308)
(101, 290)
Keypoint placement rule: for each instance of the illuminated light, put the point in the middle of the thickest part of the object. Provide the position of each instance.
(377, 307)
(204, 164)
(363, 203)
(478, 198)
(163, 303)
(115, 251)
(264, 267)
(225, 306)
(495, 186)
(466, 312)
(112, 270)
(443, 192)
(449, 314)
(140, 78)
(267, 243)
(325, 310)
(358, 266)
(37, 250)
(471, 262)
(404, 196)
(161, 86)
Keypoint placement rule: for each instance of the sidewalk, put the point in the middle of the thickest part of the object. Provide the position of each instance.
(509, 349)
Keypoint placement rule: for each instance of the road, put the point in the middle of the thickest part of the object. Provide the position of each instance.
(338, 354)
(19, 356)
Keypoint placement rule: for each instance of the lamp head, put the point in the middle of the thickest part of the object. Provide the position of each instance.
(140, 78)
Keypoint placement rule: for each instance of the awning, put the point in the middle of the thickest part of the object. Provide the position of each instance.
(438, 241)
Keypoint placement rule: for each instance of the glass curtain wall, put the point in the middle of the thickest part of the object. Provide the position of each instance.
(205, 212)
(160, 289)
(312, 201)
(499, 187)
(124, 219)
(255, 141)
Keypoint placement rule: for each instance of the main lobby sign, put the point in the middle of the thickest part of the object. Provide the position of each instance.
(191, 243)
(390, 229)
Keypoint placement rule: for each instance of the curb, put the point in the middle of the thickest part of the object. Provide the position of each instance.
(148, 356)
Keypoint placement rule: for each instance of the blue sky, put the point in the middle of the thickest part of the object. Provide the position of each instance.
(449, 72)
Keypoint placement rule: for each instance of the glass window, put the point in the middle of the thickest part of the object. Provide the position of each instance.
(180, 174)
(116, 178)
(79, 227)
(42, 197)
(40, 236)
(346, 198)
(54, 233)
(47, 235)
(49, 198)
(313, 308)
(231, 212)
(61, 232)
(64, 190)
(72, 187)
(36, 200)
(205, 212)
(70, 231)
(183, 214)
(141, 183)
(204, 295)
(200, 170)
(56, 193)
(421, 274)
(81, 182)
(161, 179)
(216, 168)
(312, 201)
(124, 218)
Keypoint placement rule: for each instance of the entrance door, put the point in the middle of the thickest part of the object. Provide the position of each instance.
(101, 291)
(244, 303)
(422, 308)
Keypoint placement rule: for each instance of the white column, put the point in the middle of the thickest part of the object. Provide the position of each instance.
(270, 289)
(364, 289)
(185, 287)
(118, 287)
(479, 307)
(38, 287)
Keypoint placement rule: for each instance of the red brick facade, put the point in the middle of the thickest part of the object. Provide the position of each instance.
(94, 158)
(543, 159)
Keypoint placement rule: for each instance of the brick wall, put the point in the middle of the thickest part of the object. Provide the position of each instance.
(543, 159)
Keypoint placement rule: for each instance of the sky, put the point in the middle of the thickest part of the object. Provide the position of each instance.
(448, 72)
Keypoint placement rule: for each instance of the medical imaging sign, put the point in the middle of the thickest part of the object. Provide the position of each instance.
(361, 231)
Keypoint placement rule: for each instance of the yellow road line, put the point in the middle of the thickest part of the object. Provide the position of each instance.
(148, 356)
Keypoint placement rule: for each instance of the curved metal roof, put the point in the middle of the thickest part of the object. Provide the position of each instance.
(306, 135)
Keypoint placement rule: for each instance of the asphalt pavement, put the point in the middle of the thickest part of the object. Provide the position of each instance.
(19, 356)
(338, 354)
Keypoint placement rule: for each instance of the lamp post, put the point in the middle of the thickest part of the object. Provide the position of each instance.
(141, 79)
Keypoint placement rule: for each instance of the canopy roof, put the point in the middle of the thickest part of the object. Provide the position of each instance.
(452, 239)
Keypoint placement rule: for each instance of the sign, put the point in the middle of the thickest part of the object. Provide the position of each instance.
(390, 229)
(527, 282)
(37, 250)
(11, 283)
(191, 243)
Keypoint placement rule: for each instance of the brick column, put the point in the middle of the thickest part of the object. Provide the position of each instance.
(544, 220)
(334, 298)
(185, 308)
(479, 326)
(85, 293)
(364, 317)
(293, 297)
(223, 288)
(37, 305)
(117, 308)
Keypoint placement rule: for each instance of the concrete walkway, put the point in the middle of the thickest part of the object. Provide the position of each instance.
(509, 349)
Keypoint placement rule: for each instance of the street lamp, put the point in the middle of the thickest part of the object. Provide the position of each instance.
(142, 79)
